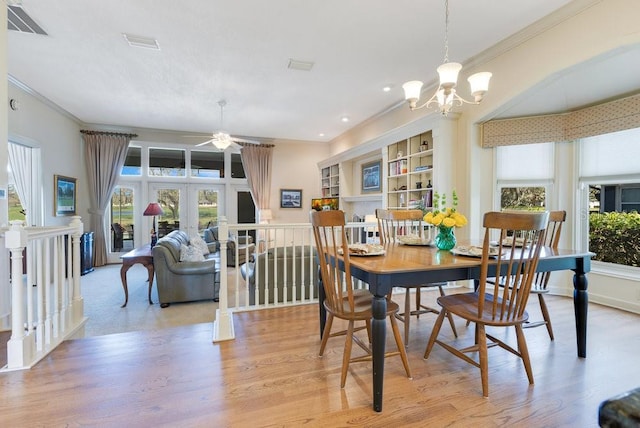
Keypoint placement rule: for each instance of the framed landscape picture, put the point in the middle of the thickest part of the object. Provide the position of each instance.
(290, 198)
(64, 195)
(371, 177)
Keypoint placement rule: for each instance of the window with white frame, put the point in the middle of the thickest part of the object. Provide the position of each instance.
(524, 176)
(609, 176)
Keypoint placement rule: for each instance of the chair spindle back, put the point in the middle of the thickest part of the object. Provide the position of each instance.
(516, 264)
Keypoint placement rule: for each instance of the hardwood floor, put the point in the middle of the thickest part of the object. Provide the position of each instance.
(271, 376)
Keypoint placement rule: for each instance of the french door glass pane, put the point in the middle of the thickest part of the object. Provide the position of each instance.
(169, 200)
(207, 209)
(122, 220)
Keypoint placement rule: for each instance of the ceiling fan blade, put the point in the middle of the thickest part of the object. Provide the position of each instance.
(206, 142)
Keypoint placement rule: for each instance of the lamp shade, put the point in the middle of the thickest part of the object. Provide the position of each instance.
(153, 208)
(266, 214)
(412, 90)
(448, 73)
(479, 82)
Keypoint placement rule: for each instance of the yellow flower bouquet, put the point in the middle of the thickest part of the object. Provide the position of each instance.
(445, 219)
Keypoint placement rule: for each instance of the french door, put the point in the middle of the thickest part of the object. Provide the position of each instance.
(188, 207)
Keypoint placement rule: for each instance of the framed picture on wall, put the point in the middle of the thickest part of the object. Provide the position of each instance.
(371, 177)
(64, 195)
(290, 198)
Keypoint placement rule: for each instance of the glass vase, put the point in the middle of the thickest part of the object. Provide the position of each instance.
(445, 239)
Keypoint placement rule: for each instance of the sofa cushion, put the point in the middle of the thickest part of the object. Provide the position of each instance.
(199, 243)
(191, 253)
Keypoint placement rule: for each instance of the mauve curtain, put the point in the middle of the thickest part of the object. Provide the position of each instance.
(256, 160)
(105, 153)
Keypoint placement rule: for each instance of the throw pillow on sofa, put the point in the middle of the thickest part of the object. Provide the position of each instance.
(199, 243)
(190, 253)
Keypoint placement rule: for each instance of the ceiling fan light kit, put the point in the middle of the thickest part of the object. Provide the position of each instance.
(445, 97)
(223, 140)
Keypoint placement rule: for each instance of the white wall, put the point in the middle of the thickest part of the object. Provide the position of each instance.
(4, 151)
(36, 124)
(593, 31)
(295, 166)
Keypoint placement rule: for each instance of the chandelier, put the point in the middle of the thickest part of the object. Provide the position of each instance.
(445, 96)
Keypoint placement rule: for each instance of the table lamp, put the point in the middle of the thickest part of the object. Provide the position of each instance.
(265, 215)
(153, 209)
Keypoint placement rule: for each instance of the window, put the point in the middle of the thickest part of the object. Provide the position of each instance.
(122, 219)
(132, 164)
(524, 188)
(16, 211)
(207, 209)
(610, 184)
(237, 169)
(523, 198)
(166, 162)
(207, 164)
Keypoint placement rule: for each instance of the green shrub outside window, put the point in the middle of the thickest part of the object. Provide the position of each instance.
(615, 237)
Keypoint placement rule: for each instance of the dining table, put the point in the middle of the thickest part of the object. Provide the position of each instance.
(406, 265)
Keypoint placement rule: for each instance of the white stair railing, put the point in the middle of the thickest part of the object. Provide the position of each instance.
(46, 301)
(284, 282)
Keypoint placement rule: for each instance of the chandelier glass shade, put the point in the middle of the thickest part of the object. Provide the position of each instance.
(446, 97)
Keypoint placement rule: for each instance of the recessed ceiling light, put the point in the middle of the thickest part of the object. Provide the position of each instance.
(387, 88)
(345, 119)
(321, 134)
(141, 42)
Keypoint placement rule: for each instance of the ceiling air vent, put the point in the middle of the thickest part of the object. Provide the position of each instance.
(18, 20)
(296, 64)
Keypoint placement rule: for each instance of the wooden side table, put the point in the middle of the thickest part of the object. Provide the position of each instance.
(140, 255)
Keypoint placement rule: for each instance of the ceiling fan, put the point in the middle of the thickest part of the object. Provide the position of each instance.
(223, 140)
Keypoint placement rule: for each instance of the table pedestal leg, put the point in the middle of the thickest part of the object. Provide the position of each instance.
(379, 334)
(580, 305)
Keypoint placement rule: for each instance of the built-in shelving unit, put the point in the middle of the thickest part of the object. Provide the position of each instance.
(331, 181)
(409, 172)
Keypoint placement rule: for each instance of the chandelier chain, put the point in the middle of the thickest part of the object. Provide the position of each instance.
(446, 31)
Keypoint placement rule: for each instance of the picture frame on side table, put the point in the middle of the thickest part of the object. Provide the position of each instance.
(64, 195)
(325, 204)
(290, 198)
(371, 177)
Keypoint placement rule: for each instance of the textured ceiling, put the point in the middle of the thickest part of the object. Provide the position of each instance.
(239, 51)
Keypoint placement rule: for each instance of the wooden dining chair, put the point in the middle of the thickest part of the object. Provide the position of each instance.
(341, 300)
(541, 281)
(391, 225)
(493, 305)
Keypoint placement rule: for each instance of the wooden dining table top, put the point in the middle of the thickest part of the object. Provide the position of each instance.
(414, 258)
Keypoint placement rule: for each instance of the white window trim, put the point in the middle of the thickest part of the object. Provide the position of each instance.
(582, 231)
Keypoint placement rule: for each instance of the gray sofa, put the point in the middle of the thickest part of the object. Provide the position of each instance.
(183, 281)
(245, 245)
(262, 271)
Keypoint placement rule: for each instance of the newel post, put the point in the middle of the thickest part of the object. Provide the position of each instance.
(21, 347)
(223, 324)
(77, 303)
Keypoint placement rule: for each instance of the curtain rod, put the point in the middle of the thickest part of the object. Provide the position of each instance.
(84, 131)
(257, 145)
